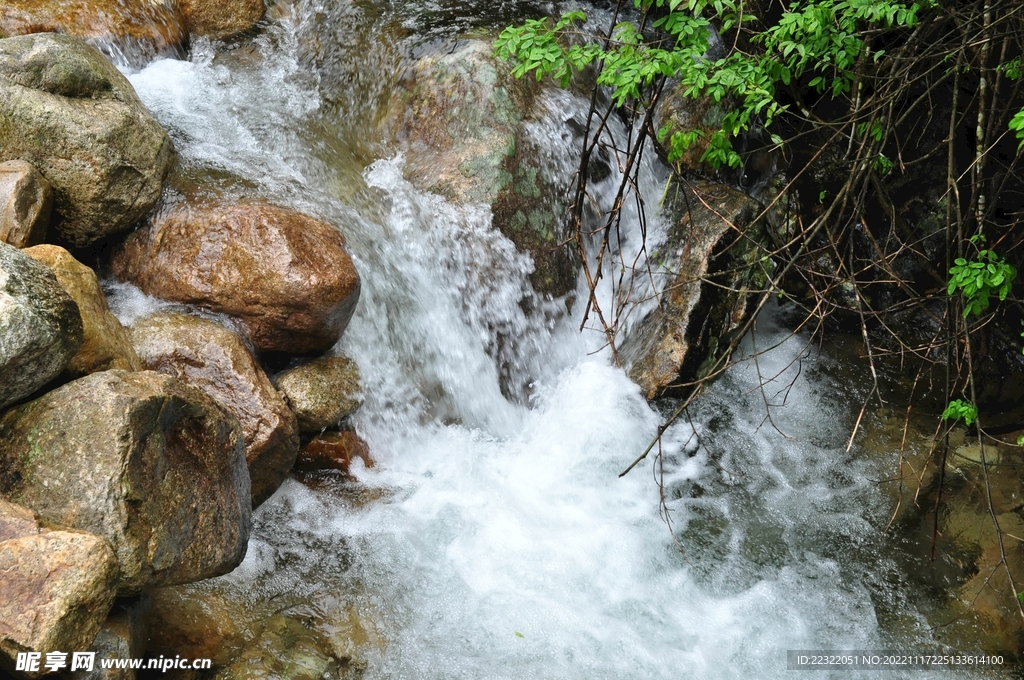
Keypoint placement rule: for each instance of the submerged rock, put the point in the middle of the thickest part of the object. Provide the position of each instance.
(198, 622)
(149, 463)
(461, 119)
(154, 24)
(105, 343)
(56, 586)
(26, 199)
(70, 112)
(40, 327)
(286, 276)
(714, 260)
(285, 649)
(208, 356)
(323, 392)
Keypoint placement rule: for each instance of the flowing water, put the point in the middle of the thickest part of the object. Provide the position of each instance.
(494, 538)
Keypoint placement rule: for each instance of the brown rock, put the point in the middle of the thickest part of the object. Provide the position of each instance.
(208, 356)
(55, 591)
(26, 199)
(334, 451)
(199, 623)
(323, 392)
(105, 344)
(16, 521)
(151, 22)
(284, 275)
(67, 110)
(151, 464)
(714, 256)
(220, 18)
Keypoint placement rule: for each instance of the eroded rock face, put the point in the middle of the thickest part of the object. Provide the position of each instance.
(220, 18)
(105, 343)
(40, 327)
(286, 276)
(151, 464)
(208, 356)
(714, 255)
(461, 120)
(323, 392)
(26, 199)
(153, 23)
(56, 586)
(70, 112)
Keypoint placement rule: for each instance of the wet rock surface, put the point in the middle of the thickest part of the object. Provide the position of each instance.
(105, 343)
(334, 451)
(712, 260)
(157, 25)
(461, 118)
(97, 145)
(122, 636)
(323, 392)
(26, 199)
(220, 18)
(285, 276)
(150, 464)
(40, 327)
(214, 359)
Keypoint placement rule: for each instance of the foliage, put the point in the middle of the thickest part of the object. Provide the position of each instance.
(821, 39)
(959, 409)
(979, 279)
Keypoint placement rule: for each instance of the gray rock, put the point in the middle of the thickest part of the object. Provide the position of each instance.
(151, 464)
(123, 636)
(40, 327)
(56, 586)
(460, 119)
(714, 258)
(26, 199)
(208, 356)
(70, 112)
(323, 392)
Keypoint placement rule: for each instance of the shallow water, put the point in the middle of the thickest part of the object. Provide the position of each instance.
(499, 541)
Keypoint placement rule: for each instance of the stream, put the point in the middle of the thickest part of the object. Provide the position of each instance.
(493, 538)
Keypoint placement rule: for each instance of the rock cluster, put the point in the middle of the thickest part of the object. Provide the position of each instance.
(131, 458)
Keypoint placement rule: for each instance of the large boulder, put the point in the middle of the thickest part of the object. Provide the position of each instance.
(461, 118)
(208, 356)
(154, 24)
(26, 199)
(715, 259)
(68, 111)
(105, 343)
(286, 276)
(40, 327)
(323, 392)
(151, 464)
(56, 586)
(220, 18)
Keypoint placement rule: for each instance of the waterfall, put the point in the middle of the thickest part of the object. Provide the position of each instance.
(494, 538)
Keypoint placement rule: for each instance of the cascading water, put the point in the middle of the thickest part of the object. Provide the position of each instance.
(494, 538)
